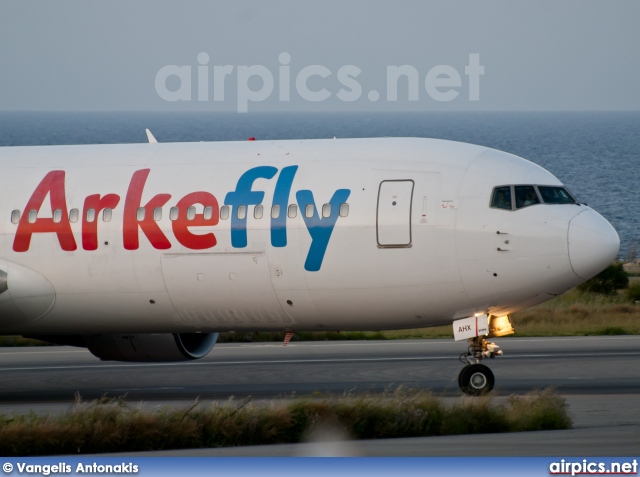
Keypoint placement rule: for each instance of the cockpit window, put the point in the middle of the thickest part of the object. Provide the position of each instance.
(555, 195)
(501, 198)
(520, 196)
(525, 196)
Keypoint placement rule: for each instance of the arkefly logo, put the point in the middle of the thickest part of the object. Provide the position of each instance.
(139, 217)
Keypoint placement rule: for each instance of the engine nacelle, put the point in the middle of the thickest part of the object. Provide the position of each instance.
(160, 347)
(25, 295)
(151, 347)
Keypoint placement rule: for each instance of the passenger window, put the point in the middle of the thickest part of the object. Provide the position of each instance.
(309, 210)
(157, 214)
(501, 198)
(241, 212)
(258, 212)
(57, 216)
(208, 213)
(140, 213)
(326, 210)
(293, 211)
(191, 213)
(106, 215)
(224, 212)
(275, 211)
(555, 195)
(525, 196)
(73, 215)
(15, 217)
(173, 213)
(344, 210)
(32, 216)
(91, 215)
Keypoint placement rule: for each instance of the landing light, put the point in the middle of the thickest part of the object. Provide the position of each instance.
(500, 326)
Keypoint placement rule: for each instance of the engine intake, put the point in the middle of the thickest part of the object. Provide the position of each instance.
(161, 347)
(151, 347)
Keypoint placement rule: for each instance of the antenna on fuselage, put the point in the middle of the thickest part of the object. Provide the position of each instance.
(152, 140)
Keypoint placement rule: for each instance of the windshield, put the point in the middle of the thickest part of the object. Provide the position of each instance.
(555, 195)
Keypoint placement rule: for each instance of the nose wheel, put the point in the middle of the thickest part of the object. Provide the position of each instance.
(476, 379)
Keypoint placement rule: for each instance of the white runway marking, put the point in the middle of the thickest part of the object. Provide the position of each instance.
(303, 361)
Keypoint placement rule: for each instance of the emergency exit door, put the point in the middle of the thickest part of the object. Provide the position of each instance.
(393, 224)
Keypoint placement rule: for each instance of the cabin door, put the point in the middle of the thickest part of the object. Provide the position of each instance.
(393, 224)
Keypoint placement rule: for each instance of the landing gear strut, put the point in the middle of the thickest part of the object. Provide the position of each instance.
(476, 379)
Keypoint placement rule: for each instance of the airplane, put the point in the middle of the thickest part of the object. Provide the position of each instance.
(145, 252)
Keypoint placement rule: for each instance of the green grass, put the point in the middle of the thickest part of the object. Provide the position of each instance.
(578, 313)
(20, 341)
(111, 425)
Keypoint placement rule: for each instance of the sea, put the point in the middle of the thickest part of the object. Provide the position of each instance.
(595, 154)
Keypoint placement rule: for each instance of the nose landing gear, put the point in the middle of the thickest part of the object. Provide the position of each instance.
(476, 379)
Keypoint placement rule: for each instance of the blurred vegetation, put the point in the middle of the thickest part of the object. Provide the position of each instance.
(111, 425)
(608, 281)
(633, 292)
(21, 341)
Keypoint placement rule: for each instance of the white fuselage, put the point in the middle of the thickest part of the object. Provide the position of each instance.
(418, 246)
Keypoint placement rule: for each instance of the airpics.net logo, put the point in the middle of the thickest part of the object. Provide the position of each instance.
(312, 83)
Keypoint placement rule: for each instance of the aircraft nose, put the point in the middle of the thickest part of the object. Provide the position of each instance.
(593, 243)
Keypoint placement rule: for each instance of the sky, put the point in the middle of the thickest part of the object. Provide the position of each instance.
(337, 55)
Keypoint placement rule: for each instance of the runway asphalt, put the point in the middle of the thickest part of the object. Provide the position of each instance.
(599, 376)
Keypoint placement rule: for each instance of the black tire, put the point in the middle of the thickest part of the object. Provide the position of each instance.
(476, 380)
